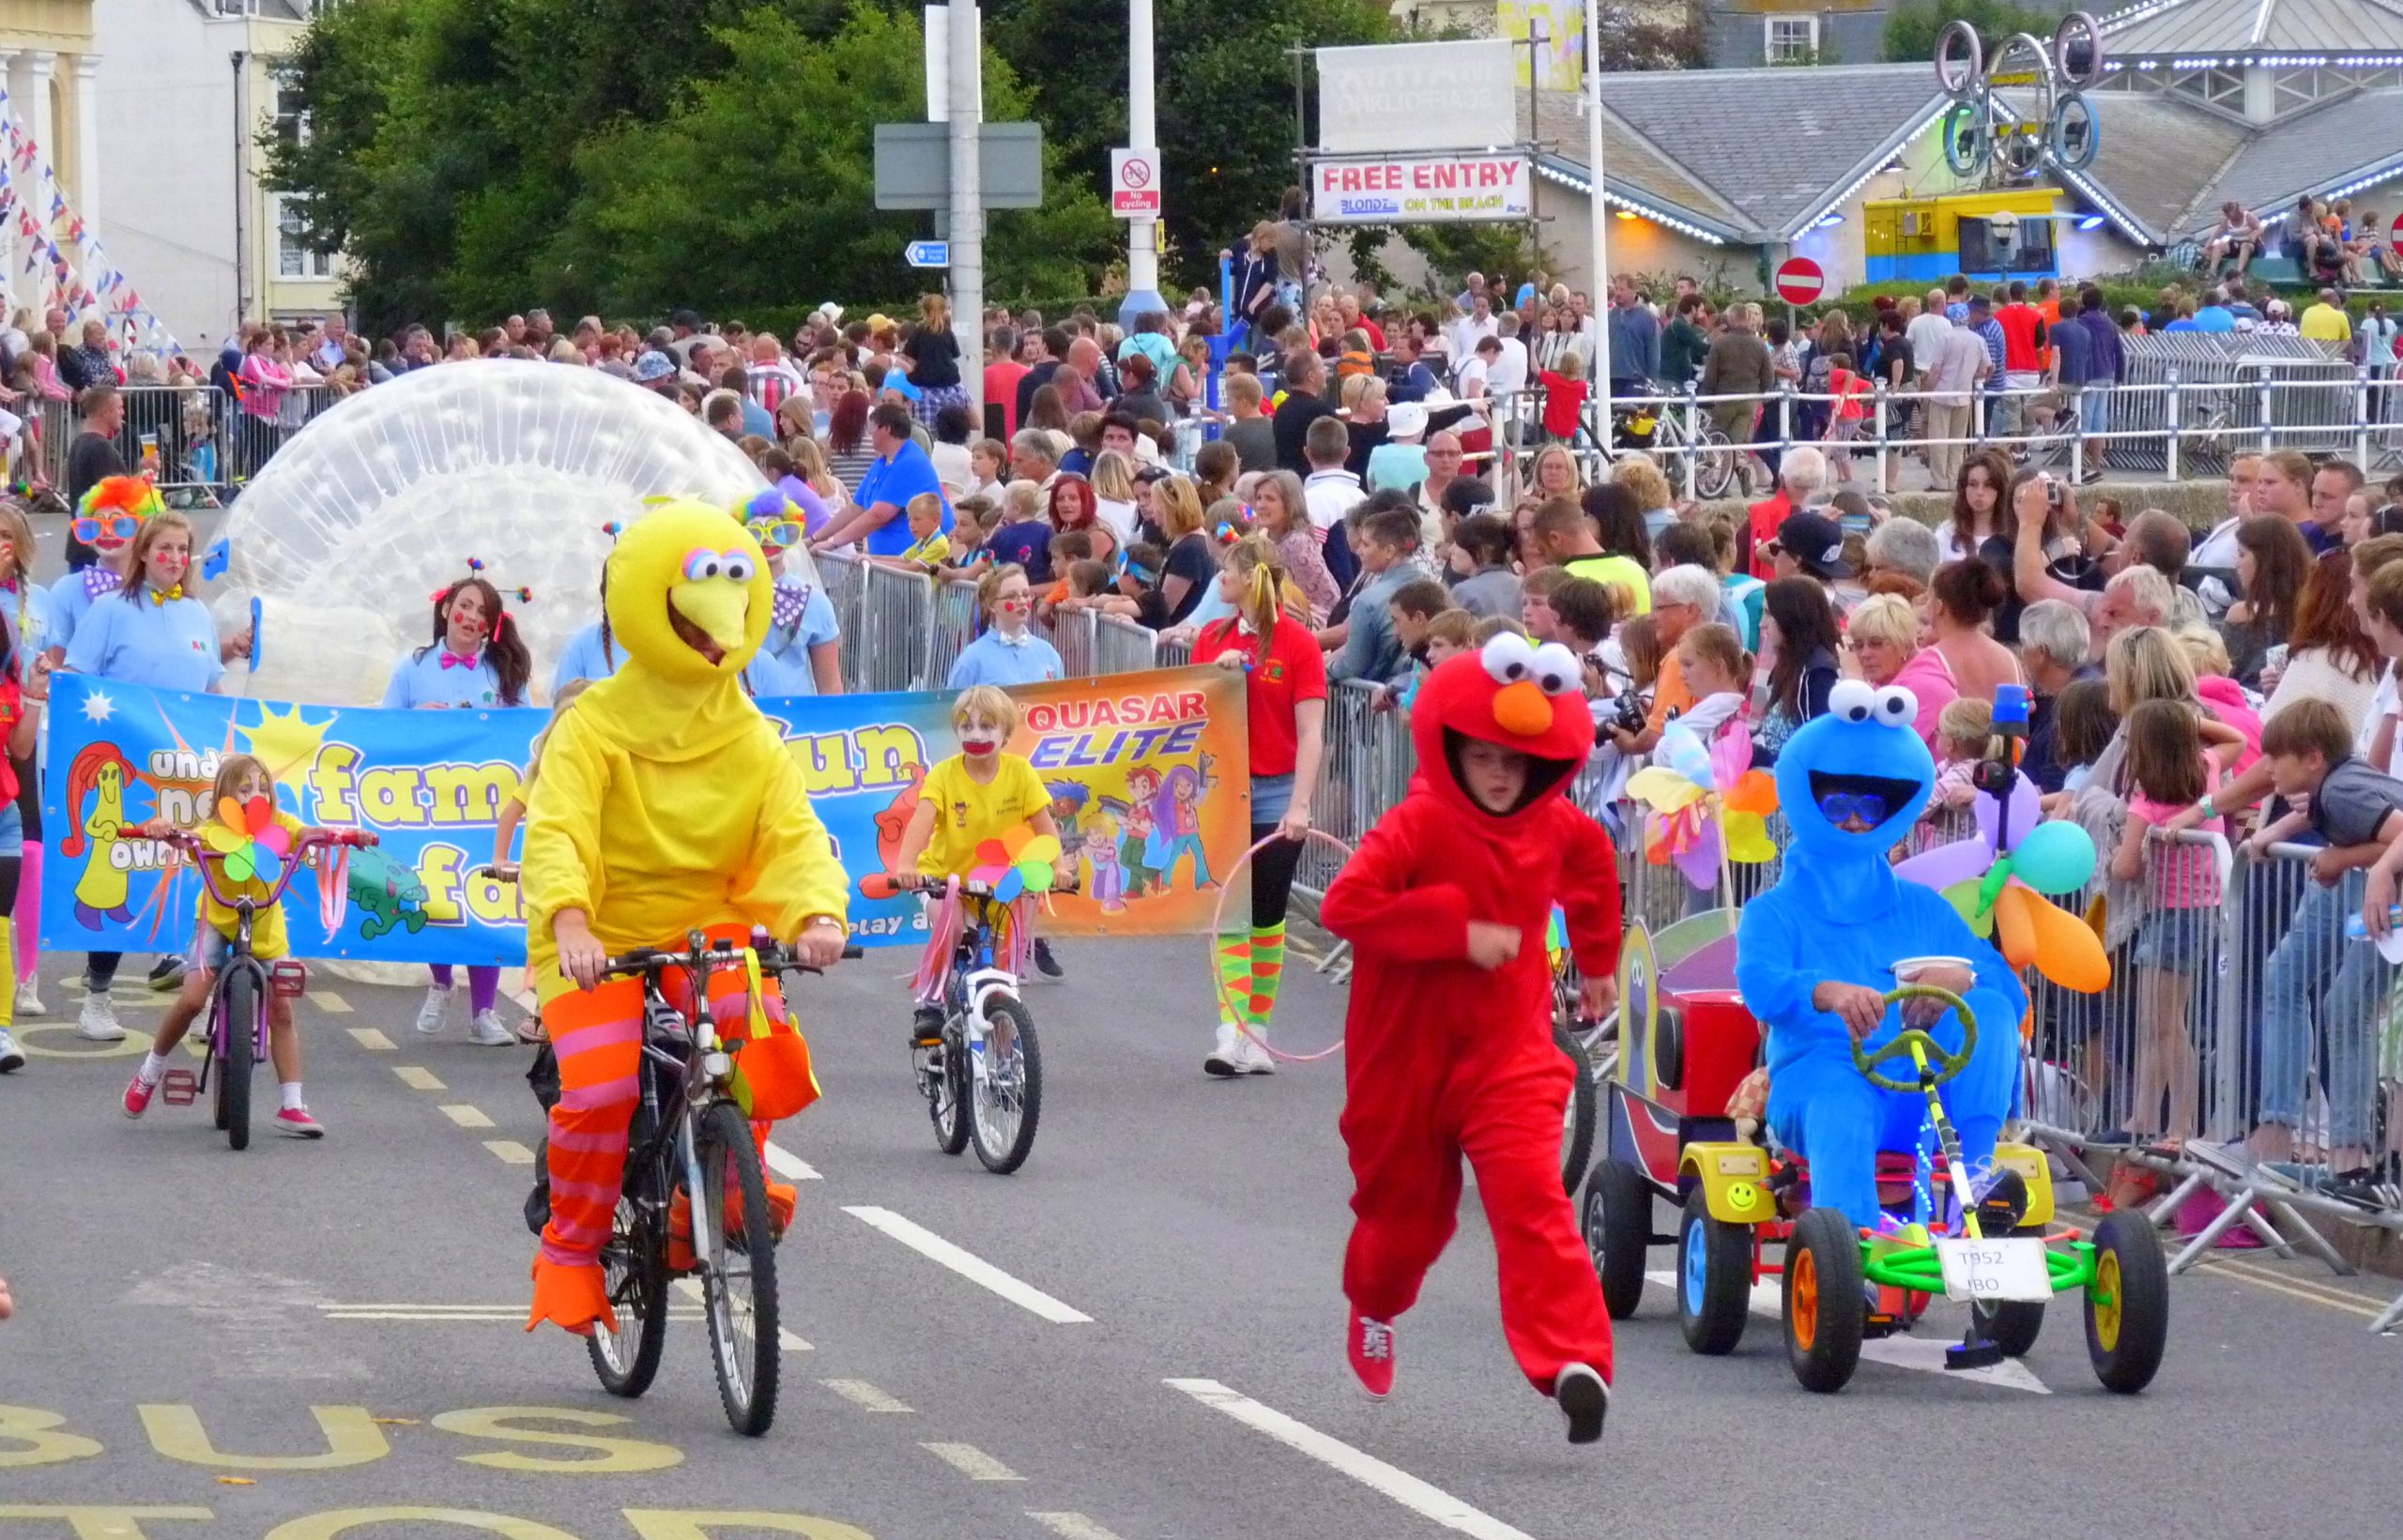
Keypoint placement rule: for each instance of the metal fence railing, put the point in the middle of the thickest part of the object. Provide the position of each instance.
(199, 443)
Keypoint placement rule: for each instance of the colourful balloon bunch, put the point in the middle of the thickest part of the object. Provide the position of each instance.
(1709, 806)
(2002, 891)
(1021, 862)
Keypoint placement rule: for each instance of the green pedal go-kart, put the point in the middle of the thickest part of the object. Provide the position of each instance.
(1733, 1213)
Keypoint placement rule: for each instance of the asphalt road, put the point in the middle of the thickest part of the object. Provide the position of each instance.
(234, 1343)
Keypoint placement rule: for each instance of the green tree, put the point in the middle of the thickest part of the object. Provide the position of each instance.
(757, 187)
(1225, 103)
(1913, 26)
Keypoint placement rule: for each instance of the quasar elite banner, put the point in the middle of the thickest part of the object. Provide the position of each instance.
(1148, 775)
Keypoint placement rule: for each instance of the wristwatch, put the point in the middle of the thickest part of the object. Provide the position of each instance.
(2208, 808)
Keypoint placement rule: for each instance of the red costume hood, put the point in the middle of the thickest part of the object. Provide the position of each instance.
(1513, 694)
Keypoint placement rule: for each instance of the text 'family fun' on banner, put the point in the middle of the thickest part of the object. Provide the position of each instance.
(1148, 776)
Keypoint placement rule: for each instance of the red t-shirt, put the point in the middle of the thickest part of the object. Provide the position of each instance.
(1292, 671)
(1001, 386)
(1766, 516)
(1564, 402)
(2020, 324)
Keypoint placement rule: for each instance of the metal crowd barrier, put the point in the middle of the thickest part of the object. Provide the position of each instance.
(845, 577)
(1121, 647)
(1072, 637)
(950, 627)
(195, 440)
(895, 609)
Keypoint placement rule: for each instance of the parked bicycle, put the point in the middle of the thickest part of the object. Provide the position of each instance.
(690, 1135)
(239, 999)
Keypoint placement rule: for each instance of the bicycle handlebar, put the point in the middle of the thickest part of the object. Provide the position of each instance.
(701, 953)
(209, 860)
(891, 884)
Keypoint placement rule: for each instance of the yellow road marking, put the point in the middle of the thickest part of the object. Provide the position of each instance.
(371, 1040)
(418, 1079)
(511, 1152)
(1071, 1526)
(329, 1002)
(465, 1115)
(863, 1395)
(971, 1462)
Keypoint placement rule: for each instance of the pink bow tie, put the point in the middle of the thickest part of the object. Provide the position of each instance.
(451, 659)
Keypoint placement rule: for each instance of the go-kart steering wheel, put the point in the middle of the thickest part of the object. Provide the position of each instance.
(1917, 1046)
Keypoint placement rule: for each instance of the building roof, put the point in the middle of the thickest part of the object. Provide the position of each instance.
(2221, 29)
(2167, 165)
(1758, 153)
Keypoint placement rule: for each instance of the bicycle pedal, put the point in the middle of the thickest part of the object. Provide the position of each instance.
(179, 1088)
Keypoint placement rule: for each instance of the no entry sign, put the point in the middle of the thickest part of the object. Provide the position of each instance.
(1799, 280)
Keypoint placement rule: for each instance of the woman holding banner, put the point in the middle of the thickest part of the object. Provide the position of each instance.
(477, 659)
(152, 632)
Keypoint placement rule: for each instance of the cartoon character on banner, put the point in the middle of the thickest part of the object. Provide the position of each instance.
(103, 775)
(1176, 825)
(1136, 846)
(1709, 806)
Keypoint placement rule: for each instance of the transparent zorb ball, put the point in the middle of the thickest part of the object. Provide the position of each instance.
(378, 504)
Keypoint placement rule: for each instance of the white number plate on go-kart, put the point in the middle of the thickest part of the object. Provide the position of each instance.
(2008, 1268)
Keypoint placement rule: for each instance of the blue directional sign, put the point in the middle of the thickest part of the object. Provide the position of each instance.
(928, 254)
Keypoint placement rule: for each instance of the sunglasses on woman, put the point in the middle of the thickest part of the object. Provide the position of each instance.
(783, 534)
(123, 526)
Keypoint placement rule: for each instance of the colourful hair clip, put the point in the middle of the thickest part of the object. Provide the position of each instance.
(613, 529)
(525, 596)
(475, 564)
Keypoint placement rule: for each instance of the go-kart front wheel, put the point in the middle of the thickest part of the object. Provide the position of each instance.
(2127, 1305)
(1619, 1232)
(2012, 1325)
(1825, 1307)
(1714, 1279)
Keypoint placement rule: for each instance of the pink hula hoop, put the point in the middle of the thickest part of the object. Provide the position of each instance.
(1217, 928)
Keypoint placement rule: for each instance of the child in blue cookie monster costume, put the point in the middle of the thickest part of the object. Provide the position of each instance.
(1816, 954)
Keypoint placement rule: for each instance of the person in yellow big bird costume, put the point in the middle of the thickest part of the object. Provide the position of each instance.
(666, 804)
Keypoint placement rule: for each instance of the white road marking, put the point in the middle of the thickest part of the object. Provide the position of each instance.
(1428, 1501)
(511, 1316)
(371, 1040)
(1901, 1352)
(329, 1002)
(691, 1290)
(971, 1462)
(791, 1166)
(968, 1265)
(511, 1152)
(418, 1078)
(863, 1395)
(1072, 1526)
(465, 1115)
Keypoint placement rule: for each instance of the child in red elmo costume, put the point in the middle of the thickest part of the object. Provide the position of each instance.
(1449, 1042)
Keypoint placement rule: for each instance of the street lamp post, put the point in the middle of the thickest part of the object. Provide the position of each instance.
(1597, 216)
(1142, 133)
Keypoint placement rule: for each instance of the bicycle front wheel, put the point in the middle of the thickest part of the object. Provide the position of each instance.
(633, 1269)
(1715, 471)
(732, 1230)
(236, 1036)
(1005, 1088)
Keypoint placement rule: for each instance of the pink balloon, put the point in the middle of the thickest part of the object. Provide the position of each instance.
(2026, 811)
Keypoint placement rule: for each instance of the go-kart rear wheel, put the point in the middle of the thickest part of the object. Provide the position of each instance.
(1714, 1279)
(1619, 1232)
(2127, 1305)
(1579, 1117)
(1825, 1307)
(2012, 1325)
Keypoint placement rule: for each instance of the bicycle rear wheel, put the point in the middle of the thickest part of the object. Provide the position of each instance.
(1714, 471)
(738, 1267)
(633, 1269)
(234, 1034)
(1005, 1088)
(946, 1091)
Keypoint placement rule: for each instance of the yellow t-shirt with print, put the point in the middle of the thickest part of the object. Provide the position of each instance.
(268, 941)
(969, 812)
(929, 553)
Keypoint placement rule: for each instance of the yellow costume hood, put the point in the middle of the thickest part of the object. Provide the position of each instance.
(690, 603)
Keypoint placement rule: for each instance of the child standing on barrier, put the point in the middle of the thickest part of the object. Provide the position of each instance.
(1285, 720)
(240, 779)
(978, 794)
(1448, 1035)
(2168, 773)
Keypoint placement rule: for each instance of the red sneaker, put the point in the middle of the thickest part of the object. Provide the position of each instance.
(1370, 1347)
(138, 1092)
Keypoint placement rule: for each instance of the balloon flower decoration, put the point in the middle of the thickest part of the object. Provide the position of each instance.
(251, 842)
(2002, 887)
(1709, 806)
(1019, 863)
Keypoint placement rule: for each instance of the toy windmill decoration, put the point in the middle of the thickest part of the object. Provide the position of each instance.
(1709, 805)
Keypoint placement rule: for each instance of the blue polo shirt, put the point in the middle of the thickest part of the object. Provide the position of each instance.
(907, 474)
(166, 647)
(583, 659)
(71, 595)
(992, 659)
(782, 667)
(432, 675)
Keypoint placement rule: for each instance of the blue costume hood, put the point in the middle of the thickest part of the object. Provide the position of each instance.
(1861, 756)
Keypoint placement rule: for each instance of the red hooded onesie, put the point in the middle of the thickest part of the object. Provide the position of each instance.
(1443, 1058)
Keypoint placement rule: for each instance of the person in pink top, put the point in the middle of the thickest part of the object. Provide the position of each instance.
(2169, 771)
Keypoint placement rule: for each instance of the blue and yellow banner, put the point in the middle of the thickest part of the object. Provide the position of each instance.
(1149, 775)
